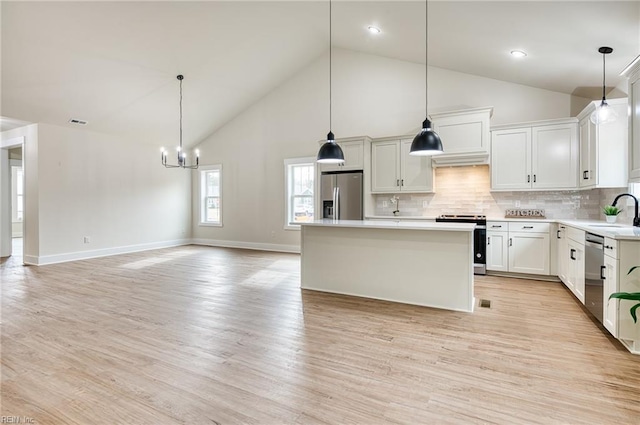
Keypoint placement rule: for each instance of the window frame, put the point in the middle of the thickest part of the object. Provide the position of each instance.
(288, 165)
(203, 170)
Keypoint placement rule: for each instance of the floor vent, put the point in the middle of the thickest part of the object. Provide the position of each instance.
(485, 303)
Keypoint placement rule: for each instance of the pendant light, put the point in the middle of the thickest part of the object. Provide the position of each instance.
(330, 152)
(182, 156)
(604, 113)
(427, 142)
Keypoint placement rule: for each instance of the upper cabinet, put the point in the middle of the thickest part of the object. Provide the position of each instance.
(394, 170)
(465, 136)
(603, 148)
(634, 124)
(353, 150)
(535, 156)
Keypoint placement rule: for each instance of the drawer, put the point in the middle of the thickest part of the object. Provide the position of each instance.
(529, 227)
(576, 235)
(611, 248)
(498, 226)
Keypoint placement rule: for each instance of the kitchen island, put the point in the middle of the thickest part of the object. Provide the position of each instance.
(422, 263)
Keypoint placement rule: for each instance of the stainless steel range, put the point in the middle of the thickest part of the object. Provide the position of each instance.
(479, 238)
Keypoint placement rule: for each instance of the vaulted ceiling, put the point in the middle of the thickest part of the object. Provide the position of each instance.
(114, 63)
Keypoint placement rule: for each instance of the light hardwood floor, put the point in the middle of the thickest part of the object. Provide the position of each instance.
(200, 335)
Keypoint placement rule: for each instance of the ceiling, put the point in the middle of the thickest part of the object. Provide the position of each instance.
(114, 64)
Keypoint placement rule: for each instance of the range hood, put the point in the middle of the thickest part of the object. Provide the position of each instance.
(465, 136)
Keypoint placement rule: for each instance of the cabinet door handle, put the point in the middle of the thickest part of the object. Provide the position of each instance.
(534, 178)
(584, 175)
(510, 242)
(602, 269)
(528, 178)
(489, 241)
(397, 182)
(496, 227)
(558, 234)
(527, 227)
(571, 253)
(402, 182)
(608, 247)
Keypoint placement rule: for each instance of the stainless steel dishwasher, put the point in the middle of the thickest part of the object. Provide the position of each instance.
(593, 274)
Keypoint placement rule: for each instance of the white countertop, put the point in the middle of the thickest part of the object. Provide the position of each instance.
(394, 224)
(399, 217)
(602, 228)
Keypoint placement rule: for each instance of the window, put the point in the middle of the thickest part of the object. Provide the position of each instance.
(17, 190)
(299, 180)
(211, 195)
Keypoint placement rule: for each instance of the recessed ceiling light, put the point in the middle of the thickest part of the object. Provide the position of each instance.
(518, 53)
(373, 30)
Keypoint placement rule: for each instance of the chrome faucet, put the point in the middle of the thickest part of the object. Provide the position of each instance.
(636, 218)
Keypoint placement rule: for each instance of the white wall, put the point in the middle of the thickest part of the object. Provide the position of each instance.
(81, 183)
(115, 192)
(373, 96)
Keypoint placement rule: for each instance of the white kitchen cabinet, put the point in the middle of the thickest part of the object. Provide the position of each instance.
(497, 251)
(353, 151)
(535, 156)
(465, 135)
(575, 269)
(511, 159)
(385, 166)
(529, 252)
(634, 124)
(562, 250)
(518, 247)
(603, 148)
(610, 283)
(394, 170)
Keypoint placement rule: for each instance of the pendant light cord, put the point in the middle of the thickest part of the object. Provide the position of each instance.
(330, 111)
(603, 75)
(426, 57)
(181, 116)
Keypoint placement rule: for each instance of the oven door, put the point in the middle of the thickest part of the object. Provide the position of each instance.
(480, 250)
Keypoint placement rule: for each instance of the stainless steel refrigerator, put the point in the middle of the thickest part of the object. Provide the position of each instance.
(341, 195)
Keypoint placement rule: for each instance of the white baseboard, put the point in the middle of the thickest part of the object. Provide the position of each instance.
(294, 249)
(85, 255)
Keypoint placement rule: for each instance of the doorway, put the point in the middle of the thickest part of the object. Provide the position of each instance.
(12, 191)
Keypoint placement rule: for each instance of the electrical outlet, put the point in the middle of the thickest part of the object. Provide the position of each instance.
(517, 204)
(87, 239)
(385, 204)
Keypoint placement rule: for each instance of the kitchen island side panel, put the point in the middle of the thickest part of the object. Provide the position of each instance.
(423, 267)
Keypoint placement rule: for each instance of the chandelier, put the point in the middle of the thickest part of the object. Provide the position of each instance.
(182, 156)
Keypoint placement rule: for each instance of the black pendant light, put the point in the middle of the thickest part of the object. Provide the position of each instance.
(427, 142)
(182, 156)
(604, 113)
(330, 152)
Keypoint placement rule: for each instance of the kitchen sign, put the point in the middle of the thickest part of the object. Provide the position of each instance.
(529, 213)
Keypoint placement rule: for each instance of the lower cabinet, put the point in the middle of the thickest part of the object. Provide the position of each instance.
(610, 308)
(497, 251)
(518, 247)
(529, 253)
(562, 258)
(575, 269)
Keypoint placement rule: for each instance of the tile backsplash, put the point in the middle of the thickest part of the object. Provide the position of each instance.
(465, 190)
